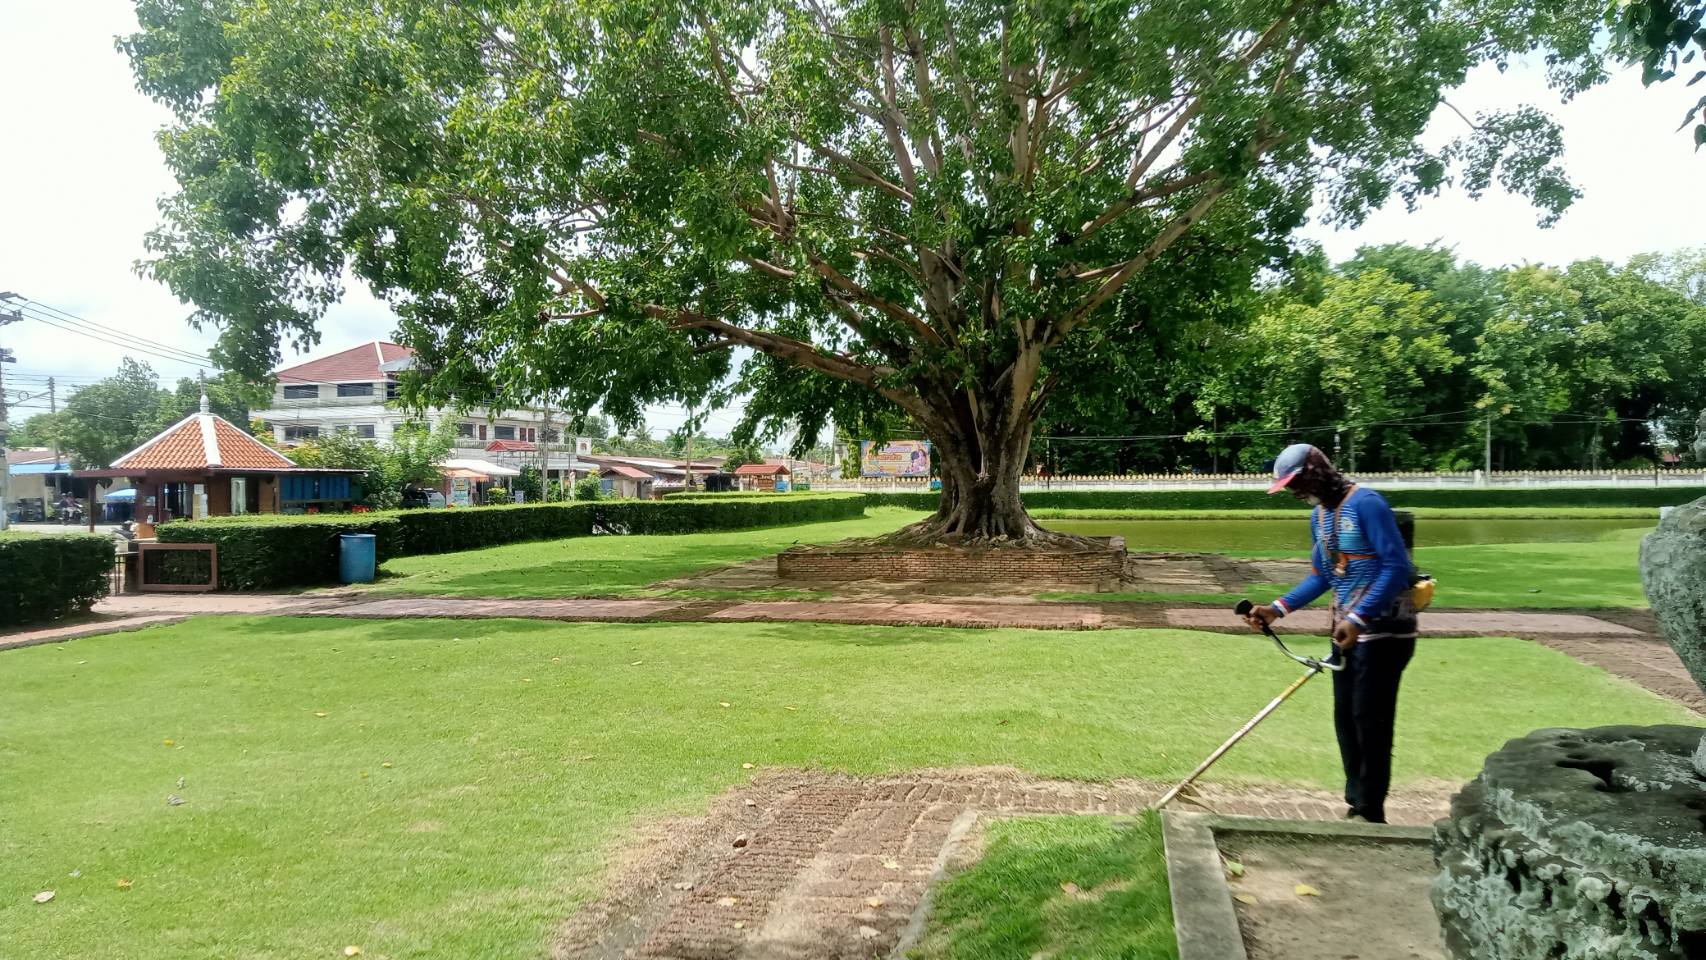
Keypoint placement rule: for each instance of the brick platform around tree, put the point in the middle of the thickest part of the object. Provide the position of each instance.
(864, 561)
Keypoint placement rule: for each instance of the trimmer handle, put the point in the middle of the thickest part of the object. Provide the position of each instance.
(1332, 664)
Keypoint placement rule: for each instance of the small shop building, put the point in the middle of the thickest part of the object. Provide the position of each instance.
(622, 480)
(205, 466)
(762, 476)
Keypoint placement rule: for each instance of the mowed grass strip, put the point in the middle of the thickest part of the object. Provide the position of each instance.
(432, 788)
(614, 566)
(1058, 887)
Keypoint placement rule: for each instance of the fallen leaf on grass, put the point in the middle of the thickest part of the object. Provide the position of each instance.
(1234, 869)
(722, 703)
(180, 783)
(684, 885)
(636, 663)
(173, 800)
(123, 884)
(386, 765)
(727, 901)
(746, 766)
(891, 864)
(1245, 898)
(795, 709)
(352, 951)
(740, 924)
(44, 896)
(170, 742)
(874, 902)
(526, 679)
(1305, 890)
(1069, 887)
(319, 713)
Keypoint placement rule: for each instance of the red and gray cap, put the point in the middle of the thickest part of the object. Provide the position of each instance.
(1290, 463)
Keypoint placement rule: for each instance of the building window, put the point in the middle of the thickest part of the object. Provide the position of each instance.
(301, 392)
(355, 389)
(465, 430)
(364, 431)
(503, 432)
(239, 496)
(301, 433)
(482, 431)
(532, 435)
(390, 389)
(341, 428)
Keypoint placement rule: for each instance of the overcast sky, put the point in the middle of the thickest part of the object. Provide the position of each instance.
(80, 174)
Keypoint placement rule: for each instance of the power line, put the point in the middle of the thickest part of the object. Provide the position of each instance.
(101, 329)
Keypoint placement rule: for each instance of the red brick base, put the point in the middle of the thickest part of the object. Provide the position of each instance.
(952, 564)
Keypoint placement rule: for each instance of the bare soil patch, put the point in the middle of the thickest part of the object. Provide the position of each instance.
(1369, 900)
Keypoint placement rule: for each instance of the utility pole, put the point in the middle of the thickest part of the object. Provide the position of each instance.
(545, 456)
(1488, 459)
(5, 427)
(53, 408)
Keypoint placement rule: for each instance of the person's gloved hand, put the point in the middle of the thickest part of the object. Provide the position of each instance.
(1259, 617)
(1345, 634)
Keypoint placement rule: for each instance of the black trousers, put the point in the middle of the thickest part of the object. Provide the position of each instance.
(1365, 704)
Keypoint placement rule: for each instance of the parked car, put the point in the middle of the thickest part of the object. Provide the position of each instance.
(414, 499)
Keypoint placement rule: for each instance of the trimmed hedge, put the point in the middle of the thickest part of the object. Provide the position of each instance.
(691, 513)
(1631, 496)
(51, 576)
(444, 531)
(266, 551)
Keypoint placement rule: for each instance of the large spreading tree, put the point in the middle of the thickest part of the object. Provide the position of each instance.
(941, 211)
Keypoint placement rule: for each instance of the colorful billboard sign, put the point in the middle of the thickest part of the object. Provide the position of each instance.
(897, 458)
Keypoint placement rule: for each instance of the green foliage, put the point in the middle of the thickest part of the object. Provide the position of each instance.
(1024, 189)
(271, 551)
(49, 577)
(1665, 37)
(40, 430)
(444, 531)
(695, 513)
(105, 420)
(588, 488)
(409, 458)
(742, 455)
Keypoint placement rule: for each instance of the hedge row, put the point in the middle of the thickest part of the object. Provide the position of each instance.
(1257, 500)
(48, 577)
(265, 551)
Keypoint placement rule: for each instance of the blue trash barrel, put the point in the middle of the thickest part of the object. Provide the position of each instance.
(356, 557)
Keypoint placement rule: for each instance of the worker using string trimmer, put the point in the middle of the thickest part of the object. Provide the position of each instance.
(1360, 558)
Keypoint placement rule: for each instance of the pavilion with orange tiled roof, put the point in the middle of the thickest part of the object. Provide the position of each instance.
(204, 465)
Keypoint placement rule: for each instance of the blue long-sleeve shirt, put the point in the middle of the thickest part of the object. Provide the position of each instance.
(1375, 566)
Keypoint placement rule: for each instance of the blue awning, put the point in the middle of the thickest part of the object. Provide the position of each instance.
(125, 494)
(37, 469)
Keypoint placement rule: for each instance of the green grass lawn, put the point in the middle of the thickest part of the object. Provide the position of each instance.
(616, 566)
(431, 788)
(1058, 887)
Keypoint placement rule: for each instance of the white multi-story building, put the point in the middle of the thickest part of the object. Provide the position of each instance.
(347, 392)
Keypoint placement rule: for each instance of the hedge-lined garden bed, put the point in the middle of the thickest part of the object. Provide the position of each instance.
(259, 552)
(49, 577)
(1631, 496)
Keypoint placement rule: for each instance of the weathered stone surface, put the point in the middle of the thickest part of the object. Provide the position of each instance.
(1673, 572)
(1578, 845)
(1700, 438)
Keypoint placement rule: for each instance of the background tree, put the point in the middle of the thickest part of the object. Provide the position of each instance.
(940, 207)
(40, 430)
(110, 417)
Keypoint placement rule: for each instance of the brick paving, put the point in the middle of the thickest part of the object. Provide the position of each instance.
(836, 868)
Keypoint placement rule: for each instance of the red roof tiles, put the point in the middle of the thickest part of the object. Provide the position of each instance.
(355, 365)
(623, 470)
(760, 469)
(201, 441)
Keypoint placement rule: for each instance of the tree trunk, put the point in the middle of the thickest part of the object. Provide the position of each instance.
(980, 506)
